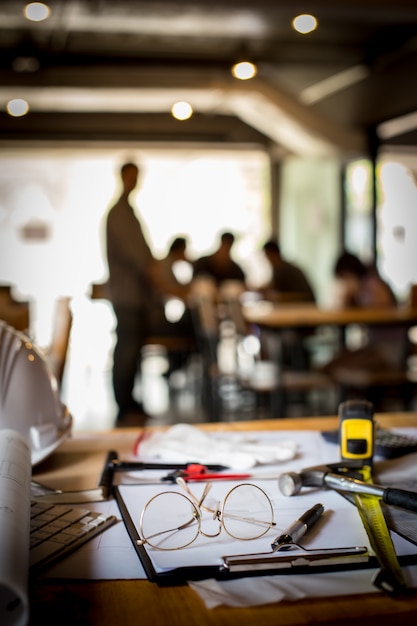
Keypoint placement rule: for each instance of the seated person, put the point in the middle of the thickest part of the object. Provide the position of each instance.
(359, 285)
(172, 292)
(288, 282)
(220, 265)
(165, 272)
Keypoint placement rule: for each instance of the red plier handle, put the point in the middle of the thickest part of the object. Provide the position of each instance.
(196, 472)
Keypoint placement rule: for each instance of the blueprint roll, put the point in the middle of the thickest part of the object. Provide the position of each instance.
(15, 477)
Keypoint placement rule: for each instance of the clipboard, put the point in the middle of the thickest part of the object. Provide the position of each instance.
(239, 566)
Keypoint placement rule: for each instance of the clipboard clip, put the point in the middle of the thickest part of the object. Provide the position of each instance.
(304, 558)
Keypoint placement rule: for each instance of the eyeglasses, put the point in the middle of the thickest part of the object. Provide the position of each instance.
(172, 520)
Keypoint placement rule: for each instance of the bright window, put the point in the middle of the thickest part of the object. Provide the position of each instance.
(396, 219)
(53, 205)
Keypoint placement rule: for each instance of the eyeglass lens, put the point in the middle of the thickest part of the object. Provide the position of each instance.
(170, 521)
(247, 512)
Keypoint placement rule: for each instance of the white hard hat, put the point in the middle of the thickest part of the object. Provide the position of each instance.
(29, 395)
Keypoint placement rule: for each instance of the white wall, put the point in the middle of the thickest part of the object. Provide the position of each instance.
(69, 191)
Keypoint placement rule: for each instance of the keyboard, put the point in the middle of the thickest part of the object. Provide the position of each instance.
(57, 530)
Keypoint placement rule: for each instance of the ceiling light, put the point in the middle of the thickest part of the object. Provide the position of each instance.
(36, 11)
(244, 70)
(182, 110)
(304, 23)
(17, 107)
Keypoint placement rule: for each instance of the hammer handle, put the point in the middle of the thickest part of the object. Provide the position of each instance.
(401, 498)
(390, 495)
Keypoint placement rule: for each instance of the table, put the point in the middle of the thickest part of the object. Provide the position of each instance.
(77, 465)
(276, 320)
(311, 316)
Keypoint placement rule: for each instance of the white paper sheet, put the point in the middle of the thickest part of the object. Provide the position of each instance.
(15, 476)
(271, 589)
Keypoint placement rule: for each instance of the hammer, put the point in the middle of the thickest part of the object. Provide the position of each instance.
(291, 483)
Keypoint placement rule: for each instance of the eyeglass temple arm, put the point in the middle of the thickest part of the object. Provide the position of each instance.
(140, 542)
(181, 482)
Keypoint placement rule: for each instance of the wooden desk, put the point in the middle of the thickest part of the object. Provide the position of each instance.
(78, 463)
(306, 315)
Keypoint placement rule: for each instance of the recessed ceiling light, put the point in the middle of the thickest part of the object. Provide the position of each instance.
(17, 107)
(244, 70)
(36, 11)
(304, 23)
(182, 110)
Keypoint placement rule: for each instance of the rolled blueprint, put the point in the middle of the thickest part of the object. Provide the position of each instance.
(15, 477)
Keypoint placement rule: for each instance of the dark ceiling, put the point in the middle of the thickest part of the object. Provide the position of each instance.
(110, 70)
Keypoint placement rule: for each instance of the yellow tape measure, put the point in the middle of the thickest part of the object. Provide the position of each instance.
(390, 577)
(357, 431)
(356, 436)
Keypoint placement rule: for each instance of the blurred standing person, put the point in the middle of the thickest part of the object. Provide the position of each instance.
(129, 260)
(220, 266)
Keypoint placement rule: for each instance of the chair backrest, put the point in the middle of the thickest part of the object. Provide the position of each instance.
(61, 331)
(99, 291)
(234, 312)
(206, 327)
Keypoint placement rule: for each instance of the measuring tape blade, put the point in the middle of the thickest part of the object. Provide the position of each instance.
(390, 577)
(356, 436)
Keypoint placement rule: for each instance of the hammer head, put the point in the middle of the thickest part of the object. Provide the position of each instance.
(290, 483)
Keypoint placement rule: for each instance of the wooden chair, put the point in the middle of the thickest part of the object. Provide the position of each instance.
(178, 347)
(61, 331)
(308, 389)
(364, 373)
(383, 388)
(206, 328)
(273, 388)
(13, 312)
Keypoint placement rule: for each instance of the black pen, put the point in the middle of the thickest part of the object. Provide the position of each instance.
(298, 529)
(114, 464)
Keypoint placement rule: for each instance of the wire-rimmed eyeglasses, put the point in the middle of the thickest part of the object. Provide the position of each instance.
(172, 520)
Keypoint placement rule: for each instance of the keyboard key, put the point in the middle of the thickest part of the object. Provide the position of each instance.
(57, 530)
(41, 552)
